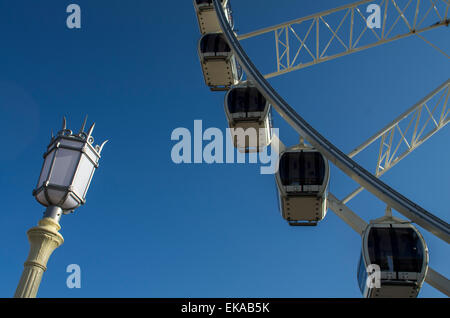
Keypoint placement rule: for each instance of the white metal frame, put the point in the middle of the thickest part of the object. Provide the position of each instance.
(290, 43)
(390, 145)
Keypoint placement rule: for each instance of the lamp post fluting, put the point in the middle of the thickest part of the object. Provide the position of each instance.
(69, 165)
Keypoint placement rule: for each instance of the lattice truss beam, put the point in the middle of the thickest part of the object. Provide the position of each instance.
(422, 121)
(334, 33)
(407, 132)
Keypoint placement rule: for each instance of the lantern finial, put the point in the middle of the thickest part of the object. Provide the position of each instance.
(91, 130)
(101, 147)
(84, 124)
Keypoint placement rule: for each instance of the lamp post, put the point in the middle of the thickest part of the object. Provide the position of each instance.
(69, 164)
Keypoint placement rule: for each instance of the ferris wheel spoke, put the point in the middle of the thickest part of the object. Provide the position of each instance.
(413, 21)
(417, 120)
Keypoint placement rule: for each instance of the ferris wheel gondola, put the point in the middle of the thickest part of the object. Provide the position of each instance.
(248, 113)
(219, 66)
(302, 181)
(207, 17)
(399, 251)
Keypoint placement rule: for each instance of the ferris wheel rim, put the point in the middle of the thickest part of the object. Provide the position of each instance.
(382, 191)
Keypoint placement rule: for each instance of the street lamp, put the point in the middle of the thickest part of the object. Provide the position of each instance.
(69, 164)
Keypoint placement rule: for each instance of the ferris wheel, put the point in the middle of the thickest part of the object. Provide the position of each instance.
(393, 251)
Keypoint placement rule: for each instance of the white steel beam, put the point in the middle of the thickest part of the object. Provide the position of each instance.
(416, 120)
(438, 281)
(347, 215)
(310, 47)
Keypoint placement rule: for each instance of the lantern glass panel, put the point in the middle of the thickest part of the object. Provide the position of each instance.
(42, 199)
(83, 176)
(56, 196)
(70, 203)
(46, 169)
(63, 169)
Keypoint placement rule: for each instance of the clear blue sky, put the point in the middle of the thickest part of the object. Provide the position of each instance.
(151, 228)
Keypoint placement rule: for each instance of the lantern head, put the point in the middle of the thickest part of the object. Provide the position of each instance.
(69, 164)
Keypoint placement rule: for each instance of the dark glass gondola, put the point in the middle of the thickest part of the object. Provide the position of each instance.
(218, 62)
(207, 17)
(214, 45)
(248, 112)
(302, 181)
(401, 255)
(206, 3)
